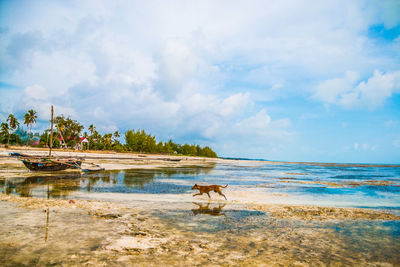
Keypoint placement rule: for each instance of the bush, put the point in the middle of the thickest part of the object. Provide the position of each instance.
(15, 139)
(71, 143)
(119, 148)
(140, 141)
(56, 143)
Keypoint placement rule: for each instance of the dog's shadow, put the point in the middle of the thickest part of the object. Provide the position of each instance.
(206, 209)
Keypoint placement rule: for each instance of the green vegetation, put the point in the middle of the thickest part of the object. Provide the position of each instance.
(5, 132)
(67, 133)
(30, 119)
(8, 131)
(142, 142)
(68, 130)
(13, 125)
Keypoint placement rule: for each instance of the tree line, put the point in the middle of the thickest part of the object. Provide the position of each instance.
(140, 141)
(67, 133)
(9, 129)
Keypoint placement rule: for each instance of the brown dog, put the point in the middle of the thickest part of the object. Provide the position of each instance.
(208, 188)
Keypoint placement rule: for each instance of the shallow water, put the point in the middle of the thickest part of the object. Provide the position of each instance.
(339, 186)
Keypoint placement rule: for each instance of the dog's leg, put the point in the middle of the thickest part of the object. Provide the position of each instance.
(208, 195)
(198, 194)
(222, 195)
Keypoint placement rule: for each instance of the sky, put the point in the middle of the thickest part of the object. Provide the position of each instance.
(279, 80)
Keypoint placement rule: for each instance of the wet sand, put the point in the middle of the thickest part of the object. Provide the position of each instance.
(95, 233)
(250, 229)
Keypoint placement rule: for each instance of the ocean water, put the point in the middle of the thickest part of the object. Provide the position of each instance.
(325, 185)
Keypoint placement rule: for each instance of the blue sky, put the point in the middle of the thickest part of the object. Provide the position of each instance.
(284, 80)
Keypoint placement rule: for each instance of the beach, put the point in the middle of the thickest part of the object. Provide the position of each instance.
(140, 211)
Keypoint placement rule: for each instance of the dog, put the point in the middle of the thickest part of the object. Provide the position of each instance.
(208, 188)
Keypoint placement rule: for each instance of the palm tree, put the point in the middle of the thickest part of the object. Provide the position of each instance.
(107, 138)
(91, 129)
(30, 119)
(5, 131)
(13, 123)
(116, 135)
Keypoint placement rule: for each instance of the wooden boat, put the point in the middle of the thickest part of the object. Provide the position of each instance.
(46, 164)
(49, 163)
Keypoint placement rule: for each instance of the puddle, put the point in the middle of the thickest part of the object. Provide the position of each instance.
(212, 217)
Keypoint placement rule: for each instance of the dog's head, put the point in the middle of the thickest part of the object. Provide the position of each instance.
(195, 186)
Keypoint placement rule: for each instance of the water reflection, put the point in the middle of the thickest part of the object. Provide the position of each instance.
(53, 187)
(129, 181)
(139, 179)
(47, 224)
(206, 209)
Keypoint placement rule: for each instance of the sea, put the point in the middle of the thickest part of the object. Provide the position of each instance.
(338, 185)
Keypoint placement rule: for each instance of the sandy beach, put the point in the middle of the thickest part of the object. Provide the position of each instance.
(110, 160)
(253, 227)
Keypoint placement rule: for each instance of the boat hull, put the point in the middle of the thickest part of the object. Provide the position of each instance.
(51, 165)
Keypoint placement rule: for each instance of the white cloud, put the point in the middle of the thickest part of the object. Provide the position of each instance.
(35, 92)
(364, 147)
(178, 64)
(330, 91)
(260, 128)
(235, 104)
(259, 121)
(38, 98)
(255, 136)
(348, 94)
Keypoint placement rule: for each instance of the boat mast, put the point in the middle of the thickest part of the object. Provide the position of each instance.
(51, 132)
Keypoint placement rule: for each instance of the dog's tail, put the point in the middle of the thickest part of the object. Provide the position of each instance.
(224, 186)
